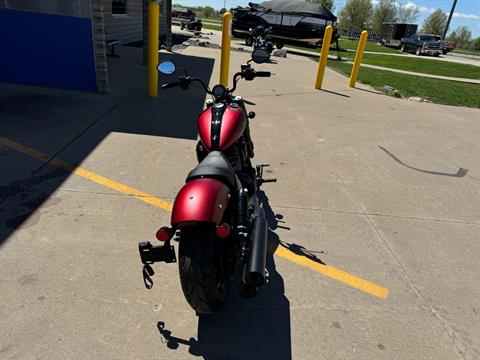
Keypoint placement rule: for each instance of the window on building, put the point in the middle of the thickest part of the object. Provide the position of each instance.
(119, 7)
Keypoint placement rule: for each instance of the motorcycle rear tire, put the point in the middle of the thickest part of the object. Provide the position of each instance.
(203, 283)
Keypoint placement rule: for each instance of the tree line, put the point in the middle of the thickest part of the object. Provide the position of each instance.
(358, 15)
(204, 12)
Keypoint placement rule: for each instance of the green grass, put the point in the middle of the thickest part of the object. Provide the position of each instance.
(438, 91)
(346, 43)
(421, 65)
(212, 20)
(350, 45)
(211, 26)
(410, 63)
(466, 52)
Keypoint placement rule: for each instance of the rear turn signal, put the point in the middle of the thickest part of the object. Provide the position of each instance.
(223, 230)
(164, 234)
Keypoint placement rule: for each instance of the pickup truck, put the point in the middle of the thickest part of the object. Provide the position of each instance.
(422, 44)
(448, 46)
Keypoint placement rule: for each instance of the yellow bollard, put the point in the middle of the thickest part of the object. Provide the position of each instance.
(358, 58)
(153, 42)
(322, 62)
(226, 40)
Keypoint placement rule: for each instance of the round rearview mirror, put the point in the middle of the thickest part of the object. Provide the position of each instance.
(166, 67)
(260, 56)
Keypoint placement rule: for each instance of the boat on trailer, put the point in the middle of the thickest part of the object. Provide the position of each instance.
(292, 21)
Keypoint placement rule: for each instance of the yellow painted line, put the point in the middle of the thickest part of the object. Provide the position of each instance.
(334, 273)
(329, 271)
(101, 180)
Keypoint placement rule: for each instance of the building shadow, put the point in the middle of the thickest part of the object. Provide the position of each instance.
(257, 328)
(71, 124)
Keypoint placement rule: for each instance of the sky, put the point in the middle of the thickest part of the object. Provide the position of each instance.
(467, 12)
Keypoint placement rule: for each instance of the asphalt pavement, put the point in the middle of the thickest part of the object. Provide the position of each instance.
(375, 221)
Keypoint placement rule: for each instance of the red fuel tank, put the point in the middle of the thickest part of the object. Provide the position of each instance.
(220, 127)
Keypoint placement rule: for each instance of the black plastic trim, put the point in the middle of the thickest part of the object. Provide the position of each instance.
(216, 125)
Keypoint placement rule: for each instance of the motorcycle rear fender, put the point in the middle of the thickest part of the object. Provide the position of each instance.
(200, 200)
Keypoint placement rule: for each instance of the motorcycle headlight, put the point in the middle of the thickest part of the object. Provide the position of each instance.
(219, 91)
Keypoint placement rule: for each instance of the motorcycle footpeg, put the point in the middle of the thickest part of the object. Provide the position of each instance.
(261, 181)
(261, 166)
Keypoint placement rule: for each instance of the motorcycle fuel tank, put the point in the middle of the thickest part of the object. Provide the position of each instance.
(220, 125)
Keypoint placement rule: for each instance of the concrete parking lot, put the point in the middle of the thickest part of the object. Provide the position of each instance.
(377, 224)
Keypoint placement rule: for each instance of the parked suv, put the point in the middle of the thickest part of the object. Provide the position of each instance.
(422, 44)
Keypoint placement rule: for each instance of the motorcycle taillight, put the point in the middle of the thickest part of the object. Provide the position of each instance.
(164, 234)
(223, 230)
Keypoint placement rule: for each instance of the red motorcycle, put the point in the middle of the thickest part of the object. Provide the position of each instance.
(216, 217)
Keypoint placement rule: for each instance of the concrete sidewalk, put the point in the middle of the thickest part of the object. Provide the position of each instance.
(447, 58)
(382, 188)
(431, 76)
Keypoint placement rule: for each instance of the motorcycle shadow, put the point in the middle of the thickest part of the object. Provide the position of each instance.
(257, 328)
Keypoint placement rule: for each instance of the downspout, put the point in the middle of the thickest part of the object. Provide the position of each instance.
(99, 45)
(168, 10)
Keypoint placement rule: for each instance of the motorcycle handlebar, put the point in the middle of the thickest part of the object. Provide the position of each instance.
(263, 74)
(186, 80)
(205, 87)
(172, 84)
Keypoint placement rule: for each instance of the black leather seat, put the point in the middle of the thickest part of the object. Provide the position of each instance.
(215, 165)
